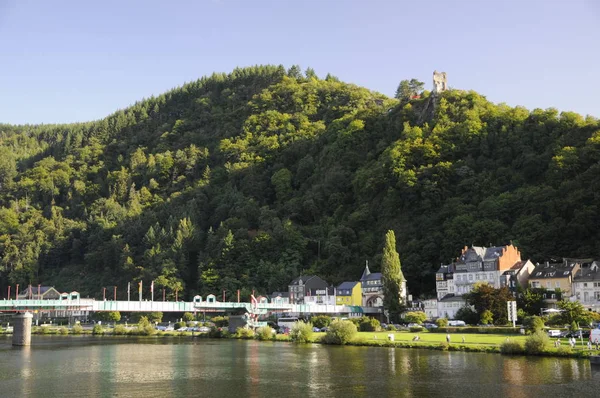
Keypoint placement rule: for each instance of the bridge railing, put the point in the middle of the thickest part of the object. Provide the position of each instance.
(144, 306)
(46, 304)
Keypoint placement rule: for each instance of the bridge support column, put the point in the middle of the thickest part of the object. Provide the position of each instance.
(22, 329)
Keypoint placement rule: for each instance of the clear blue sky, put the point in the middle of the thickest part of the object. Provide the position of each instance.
(66, 61)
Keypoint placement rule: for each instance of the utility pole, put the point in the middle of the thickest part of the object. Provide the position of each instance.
(17, 292)
(104, 294)
(115, 294)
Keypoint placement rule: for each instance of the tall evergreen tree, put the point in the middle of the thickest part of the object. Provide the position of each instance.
(393, 279)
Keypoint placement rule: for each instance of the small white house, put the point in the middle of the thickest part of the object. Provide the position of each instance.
(449, 305)
(430, 307)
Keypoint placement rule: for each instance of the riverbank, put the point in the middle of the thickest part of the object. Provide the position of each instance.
(468, 342)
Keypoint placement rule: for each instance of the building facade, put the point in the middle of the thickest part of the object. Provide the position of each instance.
(349, 293)
(372, 288)
(430, 307)
(477, 264)
(324, 296)
(555, 277)
(300, 286)
(586, 286)
(449, 306)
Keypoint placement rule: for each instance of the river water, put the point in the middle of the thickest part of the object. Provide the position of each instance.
(85, 366)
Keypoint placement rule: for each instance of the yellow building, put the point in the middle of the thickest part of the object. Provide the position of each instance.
(555, 277)
(349, 293)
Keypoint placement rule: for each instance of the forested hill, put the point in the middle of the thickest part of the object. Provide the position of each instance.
(245, 180)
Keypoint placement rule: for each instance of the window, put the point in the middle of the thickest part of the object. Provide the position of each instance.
(597, 295)
(585, 285)
(471, 277)
(557, 284)
(548, 284)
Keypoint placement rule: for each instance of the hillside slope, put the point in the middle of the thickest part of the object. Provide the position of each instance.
(242, 181)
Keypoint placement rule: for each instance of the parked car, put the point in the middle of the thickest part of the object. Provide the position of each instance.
(204, 329)
(429, 325)
(584, 334)
(183, 329)
(316, 329)
(324, 329)
(554, 333)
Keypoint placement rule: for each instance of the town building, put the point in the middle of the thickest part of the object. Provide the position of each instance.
(557, 278)
(448, 306)
(444, 281)
(477, 264)
(39, 293)
(372, 288)
(517, 276)
(586, 286)
(349, 293)
(320, 296)
(280, 297)
(300, 286)
(430, 307)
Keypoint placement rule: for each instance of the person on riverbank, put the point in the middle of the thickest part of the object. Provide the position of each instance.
(448, 338)
(589, 345)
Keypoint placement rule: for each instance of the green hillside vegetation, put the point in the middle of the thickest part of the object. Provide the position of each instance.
(245, 180)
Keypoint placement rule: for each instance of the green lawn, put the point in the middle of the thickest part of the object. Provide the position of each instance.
(455, 338)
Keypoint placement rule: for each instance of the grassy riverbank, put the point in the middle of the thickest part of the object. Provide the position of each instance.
(489, 343)
(468, 342)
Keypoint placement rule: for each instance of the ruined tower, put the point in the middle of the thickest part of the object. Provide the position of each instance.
(440, 82)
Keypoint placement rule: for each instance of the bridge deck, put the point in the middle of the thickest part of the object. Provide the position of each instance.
(180, 306)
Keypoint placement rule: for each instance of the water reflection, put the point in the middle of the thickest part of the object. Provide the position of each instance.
(66, 366)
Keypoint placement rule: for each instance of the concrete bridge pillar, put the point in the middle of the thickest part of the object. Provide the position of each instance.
(22, 329)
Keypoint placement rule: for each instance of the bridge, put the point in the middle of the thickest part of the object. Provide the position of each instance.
(256, 308)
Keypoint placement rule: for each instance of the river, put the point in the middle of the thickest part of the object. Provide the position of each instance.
(86, 366)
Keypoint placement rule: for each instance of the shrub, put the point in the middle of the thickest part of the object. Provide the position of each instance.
(512, 347)
(119, 330)
(416, 329)
(147, 330)
(369, 324)
(391, 328)
(264, 333)
(187, 317)
(301, 332)
(320, 321)
(537, 343)
(97, 329)
(45, 330)
(63, 330)
(218, 333)
(487, 317)
(143, 322)
(77, 329)
(340, 332)
(221, 321)
(534, 324)
(244, 333)
(179, 325)
(442, 322)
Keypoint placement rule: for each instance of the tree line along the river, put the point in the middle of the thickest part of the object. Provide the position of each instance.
(244, 180)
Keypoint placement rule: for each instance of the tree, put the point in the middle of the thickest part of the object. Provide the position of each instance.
(415, 317)
(467, 314)
(573, 312)
(320, 321)
(393, 278)
(409, 88)
(485, 297)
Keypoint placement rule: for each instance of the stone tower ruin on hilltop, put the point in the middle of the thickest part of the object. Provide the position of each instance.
(440, 82)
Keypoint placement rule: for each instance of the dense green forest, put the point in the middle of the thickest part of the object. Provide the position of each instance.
(245, 180)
